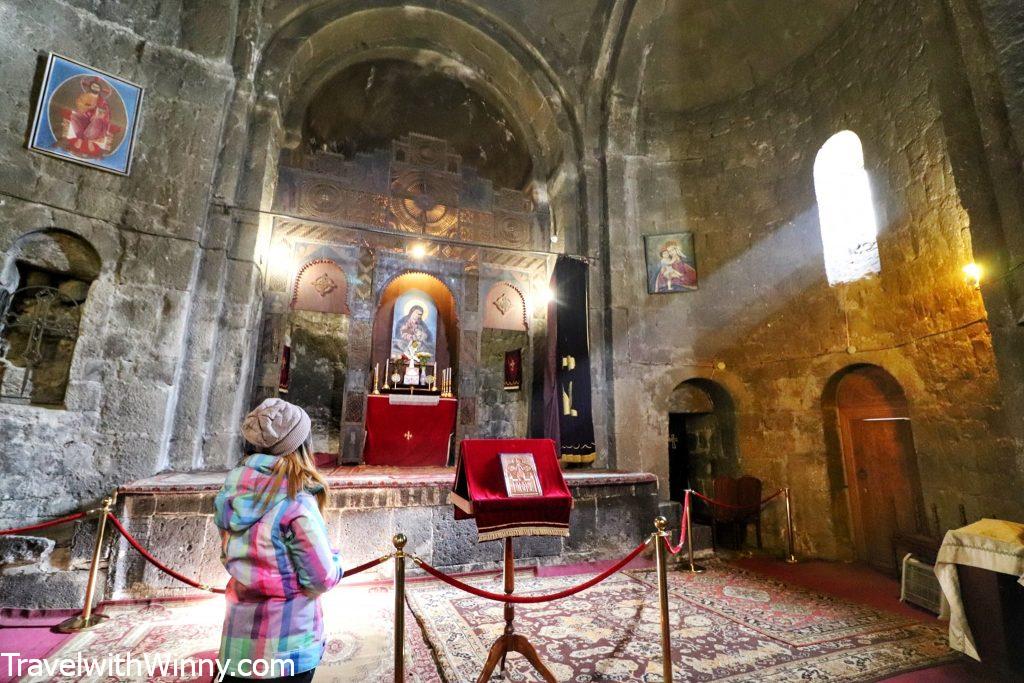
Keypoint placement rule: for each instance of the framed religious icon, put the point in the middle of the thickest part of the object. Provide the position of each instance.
(671, 266)
(520, 471)
(414, 326)
(86, 116)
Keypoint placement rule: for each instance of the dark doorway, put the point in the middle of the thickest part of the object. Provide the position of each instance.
(879, 462)
(678, 457)
(702, 438)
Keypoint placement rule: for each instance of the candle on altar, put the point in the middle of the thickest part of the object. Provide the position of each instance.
(376, 378)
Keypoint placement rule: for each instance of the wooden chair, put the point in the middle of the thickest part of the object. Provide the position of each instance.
(749, 495)
(725, 491)
(745, 492)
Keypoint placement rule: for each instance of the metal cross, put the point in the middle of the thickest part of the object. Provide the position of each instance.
(673, 441)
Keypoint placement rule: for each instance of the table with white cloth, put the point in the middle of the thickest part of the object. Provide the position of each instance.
(989, 544)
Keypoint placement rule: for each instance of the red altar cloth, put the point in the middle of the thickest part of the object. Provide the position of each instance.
(480, 487)
(408, 435)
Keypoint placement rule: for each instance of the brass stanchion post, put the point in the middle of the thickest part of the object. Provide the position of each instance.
(399, 541)
(694, 568)
(87, 619)
(789, 530)
(660, 556)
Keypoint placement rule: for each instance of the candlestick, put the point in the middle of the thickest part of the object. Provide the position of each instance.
(376, 379)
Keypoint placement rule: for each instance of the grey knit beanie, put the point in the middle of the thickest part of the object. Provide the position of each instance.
(276, 427)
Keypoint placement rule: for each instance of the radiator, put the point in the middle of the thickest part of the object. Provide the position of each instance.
(920, 586)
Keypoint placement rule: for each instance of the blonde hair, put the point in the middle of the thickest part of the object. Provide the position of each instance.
(298, 469)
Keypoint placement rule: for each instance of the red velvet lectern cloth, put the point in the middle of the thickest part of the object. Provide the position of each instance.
(480, 482)
(408, 435)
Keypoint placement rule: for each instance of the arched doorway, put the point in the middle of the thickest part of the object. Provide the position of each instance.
(702, 437)
(879, 462)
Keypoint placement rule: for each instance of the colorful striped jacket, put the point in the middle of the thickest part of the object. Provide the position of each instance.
(280, 561)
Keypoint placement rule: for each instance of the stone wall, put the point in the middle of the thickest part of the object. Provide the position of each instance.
(319, 360)
(613, 513)
(765, 324)
(502, 414)
(148, 229)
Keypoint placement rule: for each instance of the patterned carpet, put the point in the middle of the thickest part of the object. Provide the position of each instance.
(358, 620)
(727, 625)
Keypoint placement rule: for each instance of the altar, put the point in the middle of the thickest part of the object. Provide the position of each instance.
(409, 430)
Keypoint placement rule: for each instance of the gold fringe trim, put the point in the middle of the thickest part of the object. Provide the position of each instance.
(575, 459)
(521, 531)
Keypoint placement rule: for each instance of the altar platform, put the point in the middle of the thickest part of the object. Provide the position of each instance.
(172, 515)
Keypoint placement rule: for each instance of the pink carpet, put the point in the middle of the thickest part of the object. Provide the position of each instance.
(30, 633)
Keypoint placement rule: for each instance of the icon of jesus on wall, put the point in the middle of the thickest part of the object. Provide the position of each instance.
(86, 116)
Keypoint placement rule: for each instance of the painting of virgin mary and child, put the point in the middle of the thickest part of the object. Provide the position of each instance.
(670, 263)
(414, 326)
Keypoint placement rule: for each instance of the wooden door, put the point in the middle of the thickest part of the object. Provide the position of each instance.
(880, 464)
(884, 479)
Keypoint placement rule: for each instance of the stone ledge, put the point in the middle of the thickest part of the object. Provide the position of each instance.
(364, 477)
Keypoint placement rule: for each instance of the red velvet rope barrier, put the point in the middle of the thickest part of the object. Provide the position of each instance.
(42, 525)
(195, 584)
(526, 599)
(764, 502)
(367, 565)
(155, 562)
(684, 524)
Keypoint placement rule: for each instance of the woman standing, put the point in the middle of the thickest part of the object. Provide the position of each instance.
(275, 547)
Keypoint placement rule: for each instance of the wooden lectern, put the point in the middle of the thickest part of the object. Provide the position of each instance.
(481, 492)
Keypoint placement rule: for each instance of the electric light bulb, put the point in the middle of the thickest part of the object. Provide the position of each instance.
(973, 272)
(418, 251)
(544, 295)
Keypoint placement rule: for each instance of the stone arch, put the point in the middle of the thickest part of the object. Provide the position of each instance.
(321, 285)
(312, 44)
(505, 308)
(53, 249)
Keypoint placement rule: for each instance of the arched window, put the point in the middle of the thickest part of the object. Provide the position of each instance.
(849, 228)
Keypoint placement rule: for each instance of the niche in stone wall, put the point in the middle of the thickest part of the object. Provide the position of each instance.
(44, 285)
(316, 349)
(502, 414)
(446, 327)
